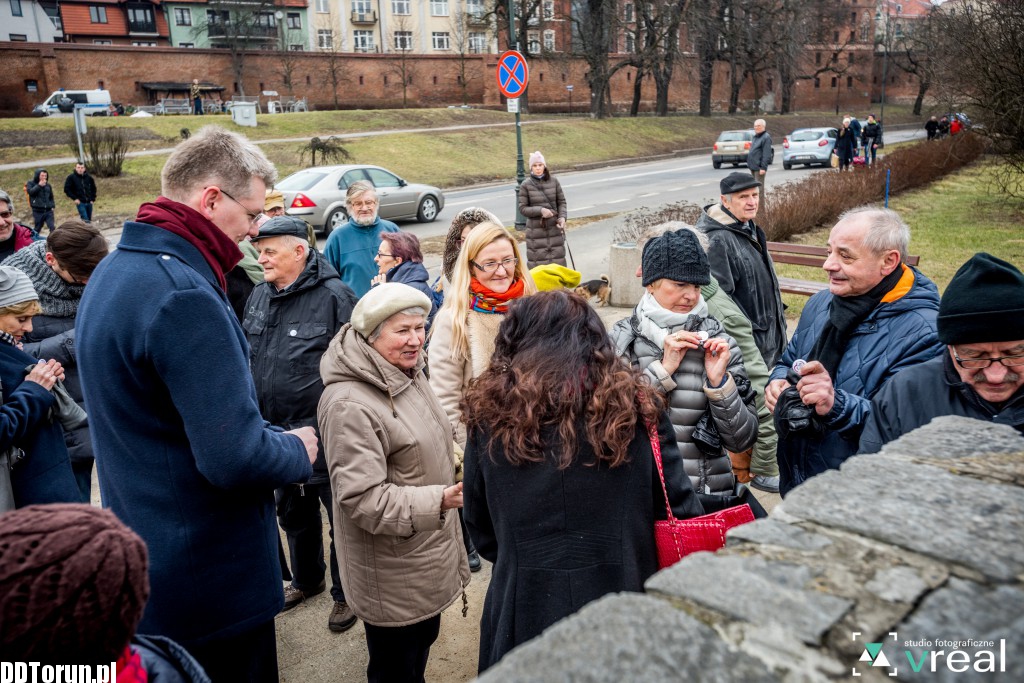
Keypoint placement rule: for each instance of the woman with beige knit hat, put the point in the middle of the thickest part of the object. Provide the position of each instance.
(542, 202)
(31, 442)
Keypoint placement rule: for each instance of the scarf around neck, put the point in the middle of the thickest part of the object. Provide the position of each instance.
(217, 249)
(845, 313)
(486, 301)
(57, 298)
(656, 322)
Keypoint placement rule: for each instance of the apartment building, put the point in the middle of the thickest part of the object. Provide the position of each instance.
(30, 21)
(246, 24)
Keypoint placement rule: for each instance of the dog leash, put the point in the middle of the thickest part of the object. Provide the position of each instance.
(565, 240)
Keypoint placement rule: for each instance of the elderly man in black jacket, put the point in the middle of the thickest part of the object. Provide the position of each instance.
(981, 375)
(289, 321)
(760, 154)
(738, 252)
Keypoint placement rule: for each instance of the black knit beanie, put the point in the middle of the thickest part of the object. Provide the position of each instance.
(73, 584)
(984, 302)
(676, 256)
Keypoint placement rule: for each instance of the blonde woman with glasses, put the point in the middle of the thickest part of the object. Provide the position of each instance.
(489, 274)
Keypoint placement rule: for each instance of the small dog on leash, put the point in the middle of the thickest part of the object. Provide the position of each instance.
(601, 288)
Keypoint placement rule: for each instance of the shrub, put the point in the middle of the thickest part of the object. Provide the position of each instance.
(818, 200)
(330, 150)
(105, 150)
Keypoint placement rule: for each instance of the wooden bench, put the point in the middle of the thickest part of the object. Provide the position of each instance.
(806, 255)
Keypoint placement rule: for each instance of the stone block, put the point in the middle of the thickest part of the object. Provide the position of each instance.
(627, 637)
(953, 437)
(773, 532)
(622, 264)
(754, 590)
(897, 584)
(921, 508)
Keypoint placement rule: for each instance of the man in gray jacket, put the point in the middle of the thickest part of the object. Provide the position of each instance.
(760, 152)
(289, 322)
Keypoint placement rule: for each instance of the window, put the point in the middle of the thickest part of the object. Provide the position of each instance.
(851, 58)
(98, 41)
(853, 36)
(549, 10)
(533, 42)
(403, 40)
(294, 20)
(186, 44)
(849, 81)
(265, 19)
(362, 41)
(296, 47)
(323, 6)
(441, 40)
(853, 17)
(325, 39)
(627, 13)
(182, 16)
(835, 57)
(16, 11)
(835, 81)
(439, 8)
(817, 58)
(475, 8)
(362, 6)
(98, 15)
(630, 45)
(143, 43)
(400, 7)
(835, 36)
(549, 40)
(32, 86)
(140, 18)
(19, 38)
(477, 42)
(817, 82)
(770, 85)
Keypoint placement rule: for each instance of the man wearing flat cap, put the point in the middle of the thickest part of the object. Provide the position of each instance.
(739, 258)
(876, 318)
(290, 319)
(981, 375)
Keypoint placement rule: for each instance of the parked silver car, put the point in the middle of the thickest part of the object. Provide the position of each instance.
(317, 195)
(808, 146)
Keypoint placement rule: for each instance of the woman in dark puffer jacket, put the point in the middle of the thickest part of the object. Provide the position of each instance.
(542, 202)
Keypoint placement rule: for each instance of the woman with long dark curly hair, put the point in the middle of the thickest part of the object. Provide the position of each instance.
(561, 490)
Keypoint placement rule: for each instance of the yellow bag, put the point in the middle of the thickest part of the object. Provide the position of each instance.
(835, 161)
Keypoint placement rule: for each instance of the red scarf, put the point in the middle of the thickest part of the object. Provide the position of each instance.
(487, 301)
(130, 668)
(217, 248)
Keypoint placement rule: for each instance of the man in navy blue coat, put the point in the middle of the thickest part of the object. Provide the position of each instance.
(183, 455)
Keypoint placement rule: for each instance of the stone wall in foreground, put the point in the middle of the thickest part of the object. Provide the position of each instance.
(917, 550)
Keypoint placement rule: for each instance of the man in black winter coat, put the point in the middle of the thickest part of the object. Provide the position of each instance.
(81, 189)
(981, 375)
(40, 198)
(289, 321)
(760, 154)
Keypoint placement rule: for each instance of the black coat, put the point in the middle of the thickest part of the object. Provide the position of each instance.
(562, 538)
(917, 395)
(44, 475)
(288, 332)
(760, 154)
(80, 187)
(53, 337)
(846, 144)
(872, 134)
(40, 197)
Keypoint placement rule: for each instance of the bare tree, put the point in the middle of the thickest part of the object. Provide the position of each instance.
(799, 28)
(329, 43)
(401, 62)
(981, 67)
(704, 25)
(915, 51)
(464, 47)
(240, 28)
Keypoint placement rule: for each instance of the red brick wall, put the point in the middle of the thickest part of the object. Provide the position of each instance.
(370, 80)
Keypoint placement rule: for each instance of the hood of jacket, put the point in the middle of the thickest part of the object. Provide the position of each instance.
(350, 357)
(39, 172)
(317, 271)
(922, 296)
(407, 272)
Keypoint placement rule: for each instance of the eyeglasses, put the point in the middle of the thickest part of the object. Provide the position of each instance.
(508, 264)
(6, 214)
(980, 363)
(369, 204)
(254, 218)
(385, 255)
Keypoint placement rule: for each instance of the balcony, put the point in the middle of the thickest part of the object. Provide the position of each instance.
(364, 18)
(226, 30)
(476, 19)
(142, 27)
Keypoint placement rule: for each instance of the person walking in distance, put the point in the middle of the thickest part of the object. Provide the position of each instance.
(40, 198)
(542, 201)
(80, 188)
(761, 154)
(195, 91)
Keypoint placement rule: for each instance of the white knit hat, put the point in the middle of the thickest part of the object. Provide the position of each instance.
(382, 302)
(15, 287)
(537, 158)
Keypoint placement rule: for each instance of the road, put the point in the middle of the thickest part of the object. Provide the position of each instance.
(622, 188)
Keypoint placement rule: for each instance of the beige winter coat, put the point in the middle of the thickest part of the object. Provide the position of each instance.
(389, 453)
(449, 378)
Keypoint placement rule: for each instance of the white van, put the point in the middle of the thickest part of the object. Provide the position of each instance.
(62, 103)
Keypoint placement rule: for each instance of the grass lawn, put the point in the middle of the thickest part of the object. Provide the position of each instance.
(950, 221)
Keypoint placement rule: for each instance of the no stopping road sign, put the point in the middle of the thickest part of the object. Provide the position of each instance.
(513, 74)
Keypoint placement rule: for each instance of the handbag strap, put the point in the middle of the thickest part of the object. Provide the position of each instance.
(652, 432)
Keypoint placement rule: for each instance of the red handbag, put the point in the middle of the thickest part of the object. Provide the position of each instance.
(677, 538)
